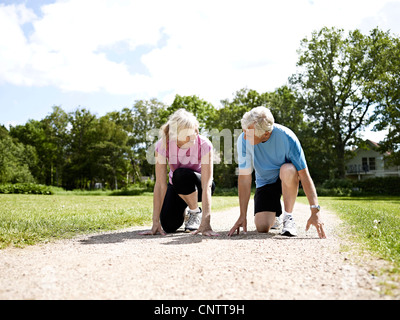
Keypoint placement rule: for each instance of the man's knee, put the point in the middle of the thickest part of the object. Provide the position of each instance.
(264, 221)
(263, 228)
(288, 172)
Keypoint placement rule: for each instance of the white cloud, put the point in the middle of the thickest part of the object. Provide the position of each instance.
(212, 48)
(386, 18)
(14, 49)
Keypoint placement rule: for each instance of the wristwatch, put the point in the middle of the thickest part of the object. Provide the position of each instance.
(315, 207)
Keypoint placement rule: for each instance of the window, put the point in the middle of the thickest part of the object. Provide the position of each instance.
(365, 164)
(372, 164)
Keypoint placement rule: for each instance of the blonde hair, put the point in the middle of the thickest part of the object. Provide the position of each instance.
(177, 122)
(262, 119)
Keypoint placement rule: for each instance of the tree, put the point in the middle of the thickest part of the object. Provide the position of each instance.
(15, 159)
(229, 116)
(203, 110)
(110, 151)
(55, 129)
(287, 109)
(387, 115)
(337, 78)
(147, 117)
(33, 134)
(79, 169)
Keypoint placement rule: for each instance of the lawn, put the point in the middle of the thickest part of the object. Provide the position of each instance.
(373, 221)
(30, 219)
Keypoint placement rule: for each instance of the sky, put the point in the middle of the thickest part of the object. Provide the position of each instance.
(104, 55)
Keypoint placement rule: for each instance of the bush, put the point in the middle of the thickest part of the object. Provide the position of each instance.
(338, 184)
(389, 186)
(380, 186)
(130, 191)
(26, 188)
(225, 191)
(148, 185)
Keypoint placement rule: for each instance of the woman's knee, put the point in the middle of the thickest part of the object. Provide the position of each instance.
(182, 175)
(169, 229)
(185, 181)
(171, 224)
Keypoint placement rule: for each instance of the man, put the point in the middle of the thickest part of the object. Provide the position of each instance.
(279, 162)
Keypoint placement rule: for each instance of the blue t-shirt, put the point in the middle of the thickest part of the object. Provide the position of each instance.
(267, 157)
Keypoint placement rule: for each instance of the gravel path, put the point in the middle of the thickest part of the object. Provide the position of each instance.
(126, 265)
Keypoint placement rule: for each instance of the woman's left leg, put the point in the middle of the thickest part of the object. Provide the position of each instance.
(187, 184)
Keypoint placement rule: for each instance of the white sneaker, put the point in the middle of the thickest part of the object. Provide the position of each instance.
(194, 220)
(289, 227)
(278, 223)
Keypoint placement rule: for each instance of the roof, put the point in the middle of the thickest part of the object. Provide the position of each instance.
(374, 145)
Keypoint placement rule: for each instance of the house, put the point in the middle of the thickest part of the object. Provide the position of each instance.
(370, 163)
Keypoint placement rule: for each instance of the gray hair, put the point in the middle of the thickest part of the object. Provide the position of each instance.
(262, 119)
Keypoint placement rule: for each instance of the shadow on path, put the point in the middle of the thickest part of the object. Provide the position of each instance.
(177, 238)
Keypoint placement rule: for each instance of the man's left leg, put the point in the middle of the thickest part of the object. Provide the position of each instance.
(290, 187)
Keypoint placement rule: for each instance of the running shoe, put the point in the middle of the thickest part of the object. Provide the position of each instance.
(278, 223)
(193, 221)
(289, 227)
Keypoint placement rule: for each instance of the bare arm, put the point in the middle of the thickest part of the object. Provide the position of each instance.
(206, 184)
(308, 186)
(244, 190)
(311, 193)
(160, 188)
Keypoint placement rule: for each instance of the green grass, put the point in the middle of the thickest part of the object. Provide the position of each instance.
(31, 219)
(373, 221)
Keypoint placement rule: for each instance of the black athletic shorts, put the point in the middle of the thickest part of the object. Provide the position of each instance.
(268, 198)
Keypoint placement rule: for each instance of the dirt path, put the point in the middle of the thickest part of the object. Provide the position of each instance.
(125, 265)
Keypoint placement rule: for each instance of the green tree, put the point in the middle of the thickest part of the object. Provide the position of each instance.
(15, 159)
(287, 109)
(387, 114)
(55, 128)
(110, 152)
(203, 110)
(229, 116)
(79, 170)
(337, 78)
(33, 134)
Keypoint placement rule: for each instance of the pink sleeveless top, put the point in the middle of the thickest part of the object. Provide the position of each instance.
(184, 158)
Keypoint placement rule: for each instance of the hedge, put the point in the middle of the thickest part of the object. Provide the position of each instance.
(387, 186)
(379, 186)
(26, 188)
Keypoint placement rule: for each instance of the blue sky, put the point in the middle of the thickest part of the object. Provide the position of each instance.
(105, 54)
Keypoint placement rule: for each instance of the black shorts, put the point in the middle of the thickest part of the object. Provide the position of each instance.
(268, 198)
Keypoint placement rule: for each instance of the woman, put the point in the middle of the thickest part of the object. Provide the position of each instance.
(190, 159)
